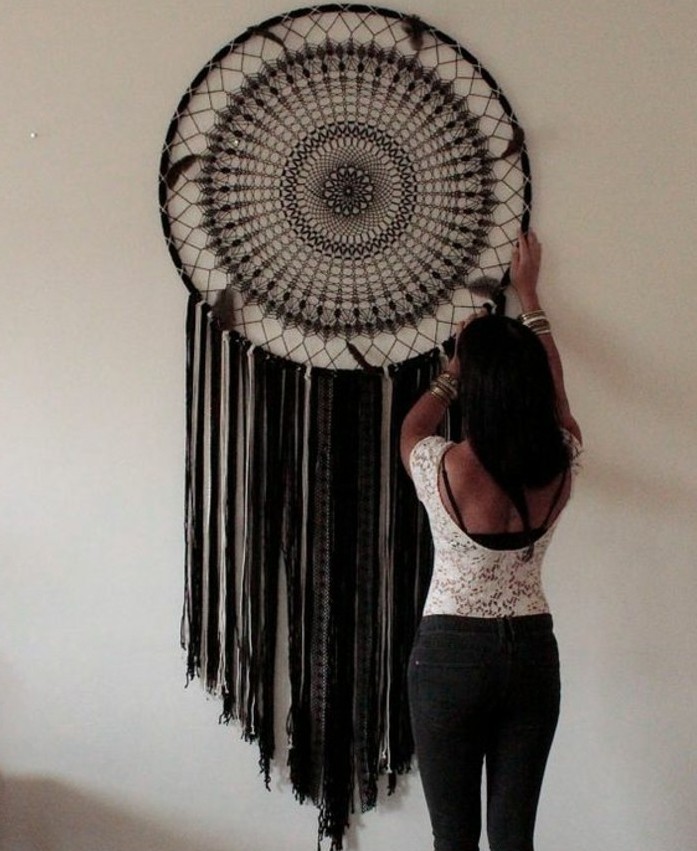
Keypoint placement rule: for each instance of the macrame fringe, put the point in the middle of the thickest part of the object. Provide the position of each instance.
(298, 470)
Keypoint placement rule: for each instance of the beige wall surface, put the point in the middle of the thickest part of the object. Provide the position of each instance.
(101, 746)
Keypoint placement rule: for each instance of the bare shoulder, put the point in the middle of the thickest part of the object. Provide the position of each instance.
(462, 464)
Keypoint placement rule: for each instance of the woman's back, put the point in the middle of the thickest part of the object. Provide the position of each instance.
(484, 565)
(478, 504)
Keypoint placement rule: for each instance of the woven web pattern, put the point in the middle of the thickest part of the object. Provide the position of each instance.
(343, 178)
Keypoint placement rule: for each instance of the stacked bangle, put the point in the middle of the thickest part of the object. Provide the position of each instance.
(445, 388)
(536, 321)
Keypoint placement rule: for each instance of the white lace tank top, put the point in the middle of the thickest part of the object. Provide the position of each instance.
(469, 579)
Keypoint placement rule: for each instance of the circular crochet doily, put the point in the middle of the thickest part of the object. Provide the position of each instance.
(343, 181)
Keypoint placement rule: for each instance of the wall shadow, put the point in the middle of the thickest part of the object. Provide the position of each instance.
(43, 814)
(663, 492)
(647, 404)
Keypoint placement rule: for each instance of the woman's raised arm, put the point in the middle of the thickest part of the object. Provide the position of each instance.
(525, 271)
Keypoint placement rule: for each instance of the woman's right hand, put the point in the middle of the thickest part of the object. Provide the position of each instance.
(525, 266)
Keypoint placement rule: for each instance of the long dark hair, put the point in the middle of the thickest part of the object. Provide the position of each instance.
(509, 407)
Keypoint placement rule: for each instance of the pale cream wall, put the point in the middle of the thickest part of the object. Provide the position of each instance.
(100, 745)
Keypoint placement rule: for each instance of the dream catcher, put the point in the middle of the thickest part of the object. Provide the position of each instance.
(339, 186)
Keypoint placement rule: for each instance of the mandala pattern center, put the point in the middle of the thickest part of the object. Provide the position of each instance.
(348, 191)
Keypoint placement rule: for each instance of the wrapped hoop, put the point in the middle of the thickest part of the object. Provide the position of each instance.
(343, 173)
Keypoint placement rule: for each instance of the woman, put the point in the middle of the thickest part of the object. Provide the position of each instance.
(484, 670)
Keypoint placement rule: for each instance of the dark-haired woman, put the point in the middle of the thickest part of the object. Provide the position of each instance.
(484, 671)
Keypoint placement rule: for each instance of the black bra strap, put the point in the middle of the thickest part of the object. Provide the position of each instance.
(557, 495)
(456, 509)
(449, 491)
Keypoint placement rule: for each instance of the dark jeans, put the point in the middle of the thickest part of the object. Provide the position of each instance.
(483, 689)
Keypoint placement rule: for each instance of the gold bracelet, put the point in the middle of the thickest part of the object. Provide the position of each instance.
(451, 379)
(444, 390)
(447, 386)
(438, 393)
(536, 321)
(532, 314)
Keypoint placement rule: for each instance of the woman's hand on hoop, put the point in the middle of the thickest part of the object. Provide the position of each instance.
(525, 264)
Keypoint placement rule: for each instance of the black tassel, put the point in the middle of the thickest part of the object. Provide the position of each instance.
(369, 472)
(415, 28)
(212, 564)
(320, 537)
(361, 360)
(270, 380)
(186, 628)
(515, 146)
(235, 422)
(294, 453)
(413, 554)
(264, 33)
(339, 770)
(192, 621)
(178, 168)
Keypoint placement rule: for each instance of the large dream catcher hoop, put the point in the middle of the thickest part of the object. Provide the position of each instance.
(338, 187)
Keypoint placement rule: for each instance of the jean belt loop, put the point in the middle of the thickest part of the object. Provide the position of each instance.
(511, 630)
(501, 629)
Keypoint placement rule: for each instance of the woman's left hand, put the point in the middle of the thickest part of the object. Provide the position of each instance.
(453, 364)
